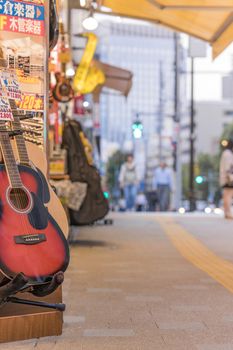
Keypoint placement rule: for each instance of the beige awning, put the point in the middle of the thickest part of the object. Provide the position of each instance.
(210, 20)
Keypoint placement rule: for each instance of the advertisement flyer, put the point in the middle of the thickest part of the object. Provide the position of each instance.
(22, 40)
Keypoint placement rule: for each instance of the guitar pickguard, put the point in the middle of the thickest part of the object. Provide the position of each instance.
(38, 217)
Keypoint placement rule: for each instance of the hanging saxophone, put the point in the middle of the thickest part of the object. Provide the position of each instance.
(88, 76)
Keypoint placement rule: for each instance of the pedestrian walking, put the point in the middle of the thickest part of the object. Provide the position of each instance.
(226, 178)
(128, 180)
(163, 184)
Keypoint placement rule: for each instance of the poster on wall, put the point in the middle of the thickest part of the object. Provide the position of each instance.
(22, 39)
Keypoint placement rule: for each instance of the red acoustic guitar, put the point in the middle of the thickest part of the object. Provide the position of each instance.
(31, 242)
(29, 155)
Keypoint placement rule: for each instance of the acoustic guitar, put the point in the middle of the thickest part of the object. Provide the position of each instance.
(31, 241)
(63, 91)
(32, 156)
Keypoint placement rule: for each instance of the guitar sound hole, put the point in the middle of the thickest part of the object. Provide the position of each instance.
(19, 198)
(64, 90)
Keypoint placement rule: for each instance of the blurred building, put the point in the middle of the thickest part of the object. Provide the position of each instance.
(211, 117)
(149, 52)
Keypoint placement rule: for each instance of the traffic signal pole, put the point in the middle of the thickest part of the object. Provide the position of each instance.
(192, 201)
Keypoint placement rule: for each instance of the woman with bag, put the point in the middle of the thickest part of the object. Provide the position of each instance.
(226, 178)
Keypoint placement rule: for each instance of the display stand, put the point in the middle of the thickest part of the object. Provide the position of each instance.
(21, 322)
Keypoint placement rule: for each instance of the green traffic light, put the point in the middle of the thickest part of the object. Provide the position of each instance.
(199, 179)
(137, 129)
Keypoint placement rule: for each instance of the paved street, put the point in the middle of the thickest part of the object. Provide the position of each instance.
(148, 282)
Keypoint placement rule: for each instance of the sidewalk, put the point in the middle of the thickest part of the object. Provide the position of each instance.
(129, 287)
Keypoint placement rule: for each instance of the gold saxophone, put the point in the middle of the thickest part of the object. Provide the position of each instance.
(88, 76)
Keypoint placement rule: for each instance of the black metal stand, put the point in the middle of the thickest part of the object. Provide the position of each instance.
(20, 283)
(59, 307)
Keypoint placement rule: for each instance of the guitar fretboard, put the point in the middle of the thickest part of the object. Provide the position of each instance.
(20, 142)
(9, 158)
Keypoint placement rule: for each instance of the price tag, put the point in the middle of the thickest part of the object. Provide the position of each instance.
(31, 103)
(5, 110)
(10, 81)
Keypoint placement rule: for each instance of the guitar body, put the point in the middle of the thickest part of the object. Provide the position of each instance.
(31, 240)
(44, 190)
(55, 208)
(63, 91)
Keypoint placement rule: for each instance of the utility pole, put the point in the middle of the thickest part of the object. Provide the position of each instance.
(161, 109)
(177, 121)
(192, 202)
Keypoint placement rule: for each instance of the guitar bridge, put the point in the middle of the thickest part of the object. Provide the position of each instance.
(30, 239)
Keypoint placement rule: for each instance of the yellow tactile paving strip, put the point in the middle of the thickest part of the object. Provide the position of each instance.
(197, 253)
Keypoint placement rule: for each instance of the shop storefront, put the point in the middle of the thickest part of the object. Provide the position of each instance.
(50, 140)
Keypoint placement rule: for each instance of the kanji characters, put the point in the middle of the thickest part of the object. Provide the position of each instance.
(29, 26)
(21, 17)
(21, 25)
(14, 24)
(37, 27)
(38, 104)
(8, 8)
(19, 9)
(30, 11)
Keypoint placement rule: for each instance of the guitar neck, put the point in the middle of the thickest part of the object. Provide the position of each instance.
(21, 146)
(9, 158)
(20, 142)
(5, 143)
(63, 69)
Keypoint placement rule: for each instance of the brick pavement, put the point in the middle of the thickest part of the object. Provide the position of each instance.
(129, 288)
